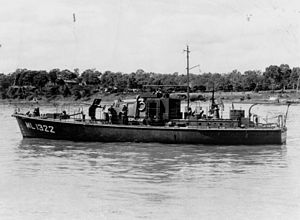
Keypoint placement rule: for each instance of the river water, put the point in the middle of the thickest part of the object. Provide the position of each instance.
(45, 179)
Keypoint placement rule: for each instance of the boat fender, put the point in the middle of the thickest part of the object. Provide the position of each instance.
(142, 106)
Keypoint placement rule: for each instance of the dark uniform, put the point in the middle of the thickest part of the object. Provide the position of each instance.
(92, 112)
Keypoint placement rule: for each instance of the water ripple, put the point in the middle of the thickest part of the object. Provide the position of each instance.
(73, 180)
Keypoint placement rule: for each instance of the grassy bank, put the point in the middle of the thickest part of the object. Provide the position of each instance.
(225, 96)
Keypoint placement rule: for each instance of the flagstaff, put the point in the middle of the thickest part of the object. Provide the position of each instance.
(188, 76)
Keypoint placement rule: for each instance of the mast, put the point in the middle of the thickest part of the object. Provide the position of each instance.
(188, 75)
(213, 97)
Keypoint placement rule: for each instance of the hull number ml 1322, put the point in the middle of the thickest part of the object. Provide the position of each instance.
(40, 127)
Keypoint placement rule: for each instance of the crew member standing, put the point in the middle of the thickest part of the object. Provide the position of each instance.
(124, 114)
(92, 111)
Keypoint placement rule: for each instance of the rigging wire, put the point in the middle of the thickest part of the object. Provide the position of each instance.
(74, 31)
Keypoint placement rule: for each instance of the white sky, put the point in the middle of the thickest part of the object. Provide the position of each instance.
(126, 35)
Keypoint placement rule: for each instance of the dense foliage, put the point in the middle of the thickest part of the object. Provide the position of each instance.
(29, 84)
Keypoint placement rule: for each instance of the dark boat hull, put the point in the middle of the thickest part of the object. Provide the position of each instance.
(87, 131)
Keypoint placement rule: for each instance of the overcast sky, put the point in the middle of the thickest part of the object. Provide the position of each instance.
(126, 35)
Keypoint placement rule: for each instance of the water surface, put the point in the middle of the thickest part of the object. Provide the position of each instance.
(45, 179)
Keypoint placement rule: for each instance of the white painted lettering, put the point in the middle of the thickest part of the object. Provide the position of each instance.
(45, 128)
(51, 129)
(40, 127)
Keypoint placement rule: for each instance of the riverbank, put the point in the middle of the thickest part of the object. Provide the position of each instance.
(205, 96)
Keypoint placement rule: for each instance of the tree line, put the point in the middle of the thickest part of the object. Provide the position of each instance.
(28, 84)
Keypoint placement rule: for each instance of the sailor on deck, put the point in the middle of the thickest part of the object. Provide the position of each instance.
(92, 111)
(111, 114)
(36, 112)
(124, 113)
(190, 112)
(64, 115)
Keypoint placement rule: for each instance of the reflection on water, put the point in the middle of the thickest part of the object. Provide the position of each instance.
(154, 162)
(72, 180)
